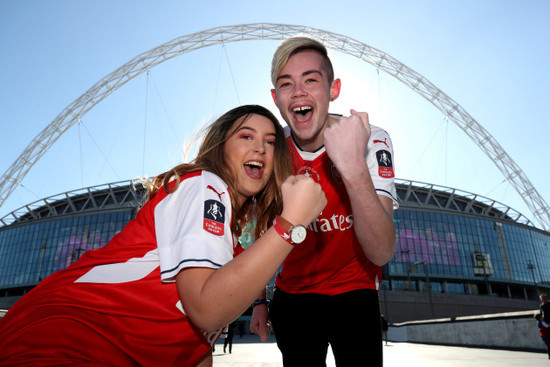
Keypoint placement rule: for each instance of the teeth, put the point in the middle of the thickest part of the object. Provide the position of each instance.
(255, 164)
(302, 109)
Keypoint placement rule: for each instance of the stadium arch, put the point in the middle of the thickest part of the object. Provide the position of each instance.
(268, 31)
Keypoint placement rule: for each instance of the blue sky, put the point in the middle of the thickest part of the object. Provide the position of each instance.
(490, 56)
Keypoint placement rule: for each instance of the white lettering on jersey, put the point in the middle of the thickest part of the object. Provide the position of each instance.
(213, 336)
(210, 337)
(334, 223)
(129, 271)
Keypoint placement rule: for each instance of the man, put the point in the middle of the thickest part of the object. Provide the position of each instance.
(327, 291)
(544, 308)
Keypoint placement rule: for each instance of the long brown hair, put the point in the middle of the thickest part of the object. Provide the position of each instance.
(264, 206)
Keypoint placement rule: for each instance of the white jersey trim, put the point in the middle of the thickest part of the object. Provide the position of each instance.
(129, 271)
(182, 238)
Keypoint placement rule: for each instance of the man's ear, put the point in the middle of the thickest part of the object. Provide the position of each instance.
(335, 89)
(274, 96)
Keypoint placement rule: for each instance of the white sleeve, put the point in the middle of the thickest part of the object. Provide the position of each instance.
(379, 158)
(193, 226)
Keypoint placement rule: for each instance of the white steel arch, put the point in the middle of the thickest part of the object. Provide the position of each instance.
(266, 31)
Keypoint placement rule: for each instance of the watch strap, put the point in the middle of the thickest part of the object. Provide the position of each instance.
(282, 226)
(287, 226)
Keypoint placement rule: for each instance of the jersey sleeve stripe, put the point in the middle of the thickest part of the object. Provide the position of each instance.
(387, 193)
(178, 267)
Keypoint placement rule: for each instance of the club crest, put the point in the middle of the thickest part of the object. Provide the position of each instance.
(385, 165)
(214, 217)
(310, 172)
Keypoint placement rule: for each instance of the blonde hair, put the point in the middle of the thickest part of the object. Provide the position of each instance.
(266, 204)
(294, 45)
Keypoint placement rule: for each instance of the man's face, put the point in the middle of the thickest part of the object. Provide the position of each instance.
(303, 94)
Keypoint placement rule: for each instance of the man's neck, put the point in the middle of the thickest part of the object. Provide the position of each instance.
(299, 146)
(312, 147)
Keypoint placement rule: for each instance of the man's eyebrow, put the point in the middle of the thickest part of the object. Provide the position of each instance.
(305, 73)
(312, 72)
(284, 76)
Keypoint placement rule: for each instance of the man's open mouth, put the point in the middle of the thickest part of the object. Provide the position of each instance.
(302, 113)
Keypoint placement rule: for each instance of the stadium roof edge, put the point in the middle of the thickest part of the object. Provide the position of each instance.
(411, 194)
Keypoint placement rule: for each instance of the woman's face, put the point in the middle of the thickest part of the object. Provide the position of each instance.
(249, 152)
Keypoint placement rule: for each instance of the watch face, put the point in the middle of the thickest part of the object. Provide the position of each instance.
(298, 234)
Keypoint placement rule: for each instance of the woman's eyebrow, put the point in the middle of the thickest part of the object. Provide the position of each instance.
(253, 130)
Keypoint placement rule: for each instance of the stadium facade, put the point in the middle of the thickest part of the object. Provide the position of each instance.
(457, 253)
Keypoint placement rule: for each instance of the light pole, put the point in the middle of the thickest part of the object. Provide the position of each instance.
(385, 287)
(42, 252)
(531, 267)
(409, 277)
(408, 267)
(428, 284)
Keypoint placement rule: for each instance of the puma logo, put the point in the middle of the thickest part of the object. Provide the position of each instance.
(217, 193)
(383, 142)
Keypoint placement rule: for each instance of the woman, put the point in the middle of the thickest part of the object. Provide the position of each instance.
(160, 292)
(544, 330)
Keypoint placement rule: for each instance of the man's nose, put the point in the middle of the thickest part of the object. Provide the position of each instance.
(299, 89)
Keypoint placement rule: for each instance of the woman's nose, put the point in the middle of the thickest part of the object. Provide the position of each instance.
(259, 147)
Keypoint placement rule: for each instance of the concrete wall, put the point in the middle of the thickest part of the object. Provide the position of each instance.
(402, 306)
(7, 302)
(513, 330)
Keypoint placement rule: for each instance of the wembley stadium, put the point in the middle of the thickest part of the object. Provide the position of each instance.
(457, 253)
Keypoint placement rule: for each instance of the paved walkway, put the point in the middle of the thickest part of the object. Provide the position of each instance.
(247, 352)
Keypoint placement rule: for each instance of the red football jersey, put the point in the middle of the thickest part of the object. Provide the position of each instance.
(118, 305)
(330, 261)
